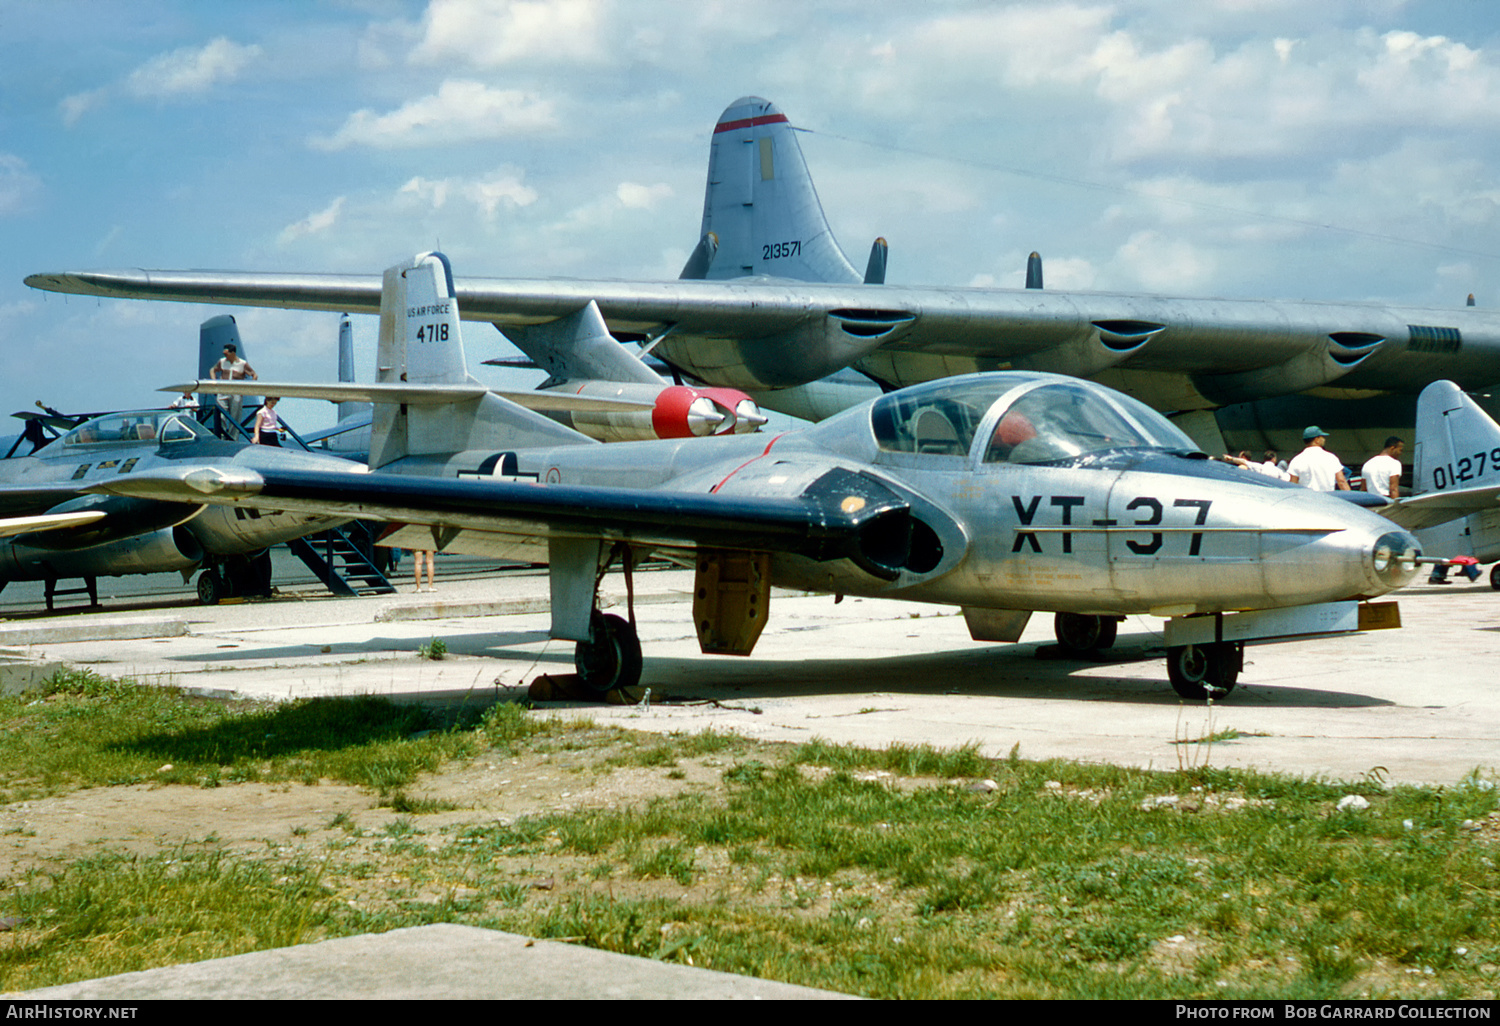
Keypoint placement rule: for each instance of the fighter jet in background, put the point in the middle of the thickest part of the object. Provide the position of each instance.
(1001, 493)
(55, 530)
(768, 301)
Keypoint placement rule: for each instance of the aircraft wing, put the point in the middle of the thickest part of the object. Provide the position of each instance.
(410, 394)
(816, 525)
(11, 526)
(30, 500)
(343, 427)
(775, 333)
(1435, 508)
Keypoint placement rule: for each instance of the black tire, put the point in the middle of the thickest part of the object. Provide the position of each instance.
(1078, 632)
(1495, 577)
(1204, 671)
(210, 588)
(612, 659)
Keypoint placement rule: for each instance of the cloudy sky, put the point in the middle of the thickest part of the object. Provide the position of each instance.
(1334, 150)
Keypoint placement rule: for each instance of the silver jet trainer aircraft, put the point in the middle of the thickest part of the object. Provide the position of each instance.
(54, 529)
(1002, 493)
(768, 301)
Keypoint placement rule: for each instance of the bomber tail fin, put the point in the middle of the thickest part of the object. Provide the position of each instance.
(760, 204)
(421, 343)
(213, 335)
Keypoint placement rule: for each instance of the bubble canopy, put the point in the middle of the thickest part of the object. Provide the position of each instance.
(136, 426)
(1018, 418)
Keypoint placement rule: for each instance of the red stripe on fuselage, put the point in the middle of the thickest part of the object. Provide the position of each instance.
(764, 119)
(742, 466)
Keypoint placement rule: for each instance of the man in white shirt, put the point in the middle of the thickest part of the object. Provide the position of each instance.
(1315, 467)
(232, 368)
(1382, 473)
(1271, 468)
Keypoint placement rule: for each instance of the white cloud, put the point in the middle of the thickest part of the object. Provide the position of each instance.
(1165, 263)
(313, 224)
(488, 194)
(183, 72)
(460, 111)
(491, 33)
(77, 105)
(643, 197)
(1068, 273)
(191, 70)
(18, 186)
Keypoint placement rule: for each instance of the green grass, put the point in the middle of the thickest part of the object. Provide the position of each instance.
(115, 914)
(87, 731)
(1064, 881)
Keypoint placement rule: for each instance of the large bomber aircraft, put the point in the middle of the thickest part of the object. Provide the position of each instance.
(768, 301)
(1001, 493)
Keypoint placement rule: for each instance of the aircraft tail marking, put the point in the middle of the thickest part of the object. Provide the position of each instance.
(1457, 443)
(760, 204)
(421, 343)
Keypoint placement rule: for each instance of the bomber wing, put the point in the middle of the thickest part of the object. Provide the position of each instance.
(773, 333)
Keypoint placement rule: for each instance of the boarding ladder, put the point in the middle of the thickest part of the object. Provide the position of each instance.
(340, 558)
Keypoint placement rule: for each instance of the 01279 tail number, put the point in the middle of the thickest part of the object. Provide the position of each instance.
(1470, 468)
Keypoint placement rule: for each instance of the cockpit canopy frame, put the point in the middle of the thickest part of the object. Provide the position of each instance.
(1018, 418)
(134, 427)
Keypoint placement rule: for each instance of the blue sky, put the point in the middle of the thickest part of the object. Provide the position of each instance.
(1332, 150)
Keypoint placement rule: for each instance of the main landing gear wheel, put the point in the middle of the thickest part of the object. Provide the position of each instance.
(211, 588)
(1495, 577)
(1205, 671)
(1079, 633)
(612, 659)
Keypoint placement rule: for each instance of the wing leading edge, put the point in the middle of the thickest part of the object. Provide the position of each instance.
(769, 333)
(821, 525)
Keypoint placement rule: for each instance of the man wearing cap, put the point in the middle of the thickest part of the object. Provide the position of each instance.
(1315, 467)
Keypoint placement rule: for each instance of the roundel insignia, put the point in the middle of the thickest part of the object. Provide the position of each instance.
(852, 504)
